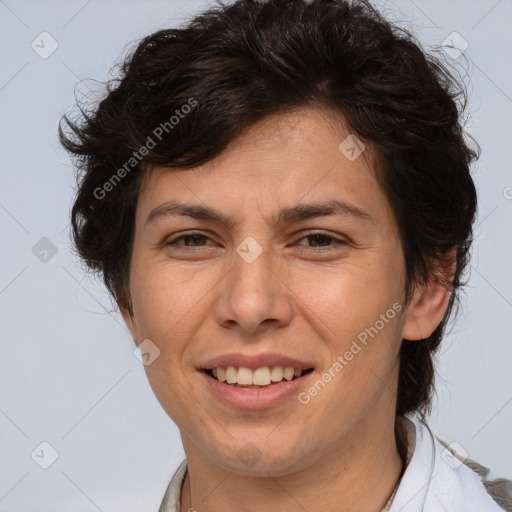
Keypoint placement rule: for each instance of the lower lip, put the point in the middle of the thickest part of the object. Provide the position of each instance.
(253, 398)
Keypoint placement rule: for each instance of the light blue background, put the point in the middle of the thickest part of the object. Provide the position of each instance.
(68, 374)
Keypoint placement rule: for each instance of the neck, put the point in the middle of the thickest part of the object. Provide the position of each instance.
(342, 481)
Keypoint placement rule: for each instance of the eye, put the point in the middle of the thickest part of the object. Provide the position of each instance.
(194, 239)
(321, 239)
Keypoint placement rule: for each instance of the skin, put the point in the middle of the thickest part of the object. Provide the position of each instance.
(303, 297)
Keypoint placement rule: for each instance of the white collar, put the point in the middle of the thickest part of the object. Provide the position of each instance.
(434, 480)
(171, 501)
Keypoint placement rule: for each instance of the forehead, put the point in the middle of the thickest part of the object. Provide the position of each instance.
(298, 157)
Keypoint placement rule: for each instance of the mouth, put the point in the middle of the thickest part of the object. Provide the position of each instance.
(255, 382)
(263, 377)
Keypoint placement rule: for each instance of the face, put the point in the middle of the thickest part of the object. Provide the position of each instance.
(265, 283)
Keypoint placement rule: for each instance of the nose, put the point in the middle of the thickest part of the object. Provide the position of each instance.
(253, 297)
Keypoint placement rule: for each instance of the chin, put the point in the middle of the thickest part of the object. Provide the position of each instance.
(259, 459)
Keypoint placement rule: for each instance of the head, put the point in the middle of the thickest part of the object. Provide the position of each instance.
(253, 111)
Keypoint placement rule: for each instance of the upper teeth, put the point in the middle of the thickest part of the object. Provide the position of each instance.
(260, 376)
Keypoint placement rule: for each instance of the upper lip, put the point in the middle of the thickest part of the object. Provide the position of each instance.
(255, 361)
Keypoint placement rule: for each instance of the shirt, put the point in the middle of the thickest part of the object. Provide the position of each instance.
(433, 481)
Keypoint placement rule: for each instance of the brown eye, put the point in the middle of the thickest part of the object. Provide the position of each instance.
(322, 240)
(190, 240)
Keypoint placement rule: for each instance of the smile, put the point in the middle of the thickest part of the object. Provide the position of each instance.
(239, 394)
(255, 378)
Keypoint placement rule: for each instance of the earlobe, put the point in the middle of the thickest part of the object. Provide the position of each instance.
(428, 305)
(129, 320)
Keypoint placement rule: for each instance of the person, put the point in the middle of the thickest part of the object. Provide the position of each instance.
(278, 196)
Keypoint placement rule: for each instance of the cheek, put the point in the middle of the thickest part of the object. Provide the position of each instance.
(167, 299)
(344, 300)
(167, 305)
(356, 311)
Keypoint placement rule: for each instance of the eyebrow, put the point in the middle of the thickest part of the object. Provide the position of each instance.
(289, 214)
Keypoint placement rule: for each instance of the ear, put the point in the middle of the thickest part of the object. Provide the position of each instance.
(429, 303)
(129, 320)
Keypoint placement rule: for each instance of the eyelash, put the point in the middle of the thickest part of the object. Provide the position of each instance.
(317, 233)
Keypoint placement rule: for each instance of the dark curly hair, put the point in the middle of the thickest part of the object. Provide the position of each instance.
(233, 65)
